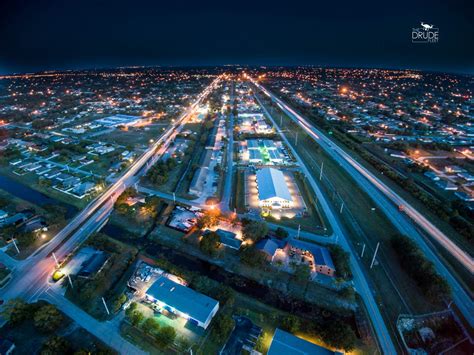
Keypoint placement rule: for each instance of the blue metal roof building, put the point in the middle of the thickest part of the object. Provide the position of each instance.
(272, 188)
(183, 301)
(284, 343)
(229, 239)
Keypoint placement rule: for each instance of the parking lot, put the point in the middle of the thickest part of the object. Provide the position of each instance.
(243, 337)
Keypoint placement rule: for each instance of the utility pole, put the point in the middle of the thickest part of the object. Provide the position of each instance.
(16, 246)
(55, 259)
(321, 172)
(375, 254)
(105, 305)
(342, 206)
(363, 250)
(70, 282)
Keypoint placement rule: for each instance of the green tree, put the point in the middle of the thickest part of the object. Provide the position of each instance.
(291, 324)
(165, 336)
(250, 255)
(414, 262)
(254, 230)
(55, 345)
(208, 219)
(183, 344)
(136, 317)
(223, 325)
(118, 302)
(25, 238)
(131, 308)
(225, 295)
(341, 261)
(281, 233)
(347, 292)
(202, 284)
(210, 243)
(48, 319)
(16, 311)
(339, 335)
(151, 326)
(121, 203)
(301, 272)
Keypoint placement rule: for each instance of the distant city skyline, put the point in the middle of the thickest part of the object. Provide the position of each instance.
(38, 36)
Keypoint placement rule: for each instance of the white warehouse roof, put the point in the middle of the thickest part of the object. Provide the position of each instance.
(271, 183)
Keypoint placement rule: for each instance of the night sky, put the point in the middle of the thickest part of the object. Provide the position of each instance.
(44, 35)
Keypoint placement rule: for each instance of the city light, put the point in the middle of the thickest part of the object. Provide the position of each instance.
(191, 205)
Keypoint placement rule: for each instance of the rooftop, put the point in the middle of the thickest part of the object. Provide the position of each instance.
(321, 255)
(284, 343)
(182, 298)
(229, 238)
(271, 183)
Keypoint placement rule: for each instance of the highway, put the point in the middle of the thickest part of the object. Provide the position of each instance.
(360, 282)
(388, 201)
(30, 278)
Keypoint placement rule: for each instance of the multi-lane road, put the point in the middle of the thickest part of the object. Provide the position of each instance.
(227, 191)
(360, 282)
(407, 221)
(29, 279)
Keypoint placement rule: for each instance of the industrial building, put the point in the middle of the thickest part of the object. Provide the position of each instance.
(275, 156)
(183, 301)
(255, 156)
(284, 343)
(119, 120)
(266, 152)
(273, 190)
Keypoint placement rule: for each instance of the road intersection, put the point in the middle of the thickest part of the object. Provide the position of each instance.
(29, 278)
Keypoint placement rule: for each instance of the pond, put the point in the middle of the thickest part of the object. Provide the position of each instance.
(26, 193)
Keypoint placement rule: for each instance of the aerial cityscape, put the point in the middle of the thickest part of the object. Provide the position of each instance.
(225, 199)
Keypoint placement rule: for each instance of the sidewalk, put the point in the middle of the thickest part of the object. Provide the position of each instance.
(107, 332)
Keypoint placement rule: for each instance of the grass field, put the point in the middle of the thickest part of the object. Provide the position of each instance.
(316, 221)
(135, 136)
(238, 193)
(464, 277)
